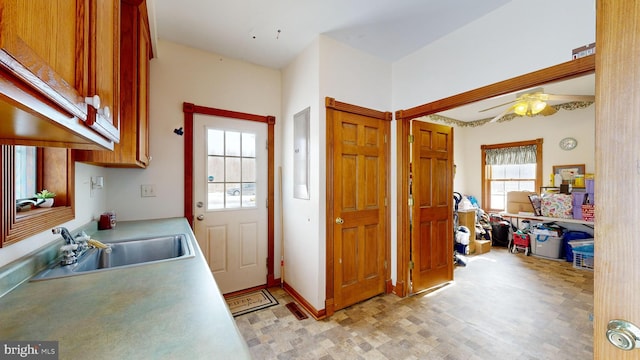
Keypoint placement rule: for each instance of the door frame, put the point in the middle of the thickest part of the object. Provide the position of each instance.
(189, 110)
(331, 104)
(564, 71)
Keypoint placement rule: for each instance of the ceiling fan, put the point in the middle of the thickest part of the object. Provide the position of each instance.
(534, 101)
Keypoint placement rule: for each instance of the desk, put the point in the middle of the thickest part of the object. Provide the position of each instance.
(548, 219)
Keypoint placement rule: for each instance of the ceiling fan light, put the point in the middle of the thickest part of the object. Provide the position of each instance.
(521, 108)
(537, 106)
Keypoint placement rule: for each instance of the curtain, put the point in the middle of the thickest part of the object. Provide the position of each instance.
(511, 155)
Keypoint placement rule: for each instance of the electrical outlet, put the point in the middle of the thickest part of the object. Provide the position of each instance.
(148, 190)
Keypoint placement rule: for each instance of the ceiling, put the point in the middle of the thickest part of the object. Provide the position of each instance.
(584, 85)
(272, 33)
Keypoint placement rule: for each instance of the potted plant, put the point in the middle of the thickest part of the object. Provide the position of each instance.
(45, 198)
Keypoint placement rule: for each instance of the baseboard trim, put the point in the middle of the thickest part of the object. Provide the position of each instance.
(317, 314)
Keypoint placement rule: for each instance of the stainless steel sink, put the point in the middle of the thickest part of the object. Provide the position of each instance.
(124, 254)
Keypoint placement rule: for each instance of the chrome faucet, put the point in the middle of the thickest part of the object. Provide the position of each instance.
(73, 249)
(66, 235)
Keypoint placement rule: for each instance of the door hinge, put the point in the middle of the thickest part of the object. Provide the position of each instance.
(385, 138)
(385, 201)
(410, 201)
(411, 265)
(411, 139)
(385, 264)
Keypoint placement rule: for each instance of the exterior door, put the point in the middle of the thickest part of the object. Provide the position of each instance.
(230, 193)
(432, 212)
(359, 213)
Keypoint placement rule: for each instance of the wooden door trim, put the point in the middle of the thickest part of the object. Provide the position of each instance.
(189, 110)
(564, 71)
(332, 105)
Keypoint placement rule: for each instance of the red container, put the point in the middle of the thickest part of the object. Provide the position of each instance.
(520, 239)
(588, 212)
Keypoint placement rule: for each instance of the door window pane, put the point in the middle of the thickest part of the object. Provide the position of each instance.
(232, 143)
(248, 145)
(231, 172)
(248, 170)
(215, 142)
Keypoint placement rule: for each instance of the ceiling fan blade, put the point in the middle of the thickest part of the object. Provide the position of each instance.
(497, 106)
(548, 110)
(551, 97)
(501, 114)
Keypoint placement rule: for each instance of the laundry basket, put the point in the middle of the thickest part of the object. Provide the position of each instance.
(583, 257)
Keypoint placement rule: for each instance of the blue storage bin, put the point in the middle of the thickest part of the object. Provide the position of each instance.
(573, 235)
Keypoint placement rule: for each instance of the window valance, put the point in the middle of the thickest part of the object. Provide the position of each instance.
(511, 155)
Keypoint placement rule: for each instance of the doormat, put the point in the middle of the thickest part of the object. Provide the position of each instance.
(299, 314)
(249, 302)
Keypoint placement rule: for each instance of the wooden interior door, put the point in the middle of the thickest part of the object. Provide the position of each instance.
(432, 212)
(616, 290)
(359, 212)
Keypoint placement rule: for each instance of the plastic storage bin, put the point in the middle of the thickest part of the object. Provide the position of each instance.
(570, 235)
(583, 257)
(547, 246)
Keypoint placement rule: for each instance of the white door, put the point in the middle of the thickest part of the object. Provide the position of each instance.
(230, 199)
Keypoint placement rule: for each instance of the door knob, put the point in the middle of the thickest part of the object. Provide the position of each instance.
(623, 334)
(200, 217)
(339, 221)
(199, 204)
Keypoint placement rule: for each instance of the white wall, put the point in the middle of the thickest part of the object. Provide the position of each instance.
(183, 74)
(89, 204)
(517, 38)
(354, 77)
(302, 218)
(325, 69)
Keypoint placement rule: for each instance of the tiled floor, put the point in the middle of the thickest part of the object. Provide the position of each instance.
(501, 306)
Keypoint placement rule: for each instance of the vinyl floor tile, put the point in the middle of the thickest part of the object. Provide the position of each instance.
(500, 306)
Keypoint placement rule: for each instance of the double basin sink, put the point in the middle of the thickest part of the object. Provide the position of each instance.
(124, 254)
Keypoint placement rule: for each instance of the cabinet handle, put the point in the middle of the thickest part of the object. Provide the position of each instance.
(93, 101)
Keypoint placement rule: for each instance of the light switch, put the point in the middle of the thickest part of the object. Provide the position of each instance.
(148, 190)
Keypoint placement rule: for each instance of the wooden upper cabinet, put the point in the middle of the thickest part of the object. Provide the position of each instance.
(104, 66)
(54, 54)
(135, 54)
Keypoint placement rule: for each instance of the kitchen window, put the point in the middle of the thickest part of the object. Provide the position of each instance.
(25, 171)
(54, 171)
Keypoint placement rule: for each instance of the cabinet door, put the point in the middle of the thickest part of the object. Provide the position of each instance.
(47, 50)
(144, 55)
(50, 53)
(135, 52)
(104, 67)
